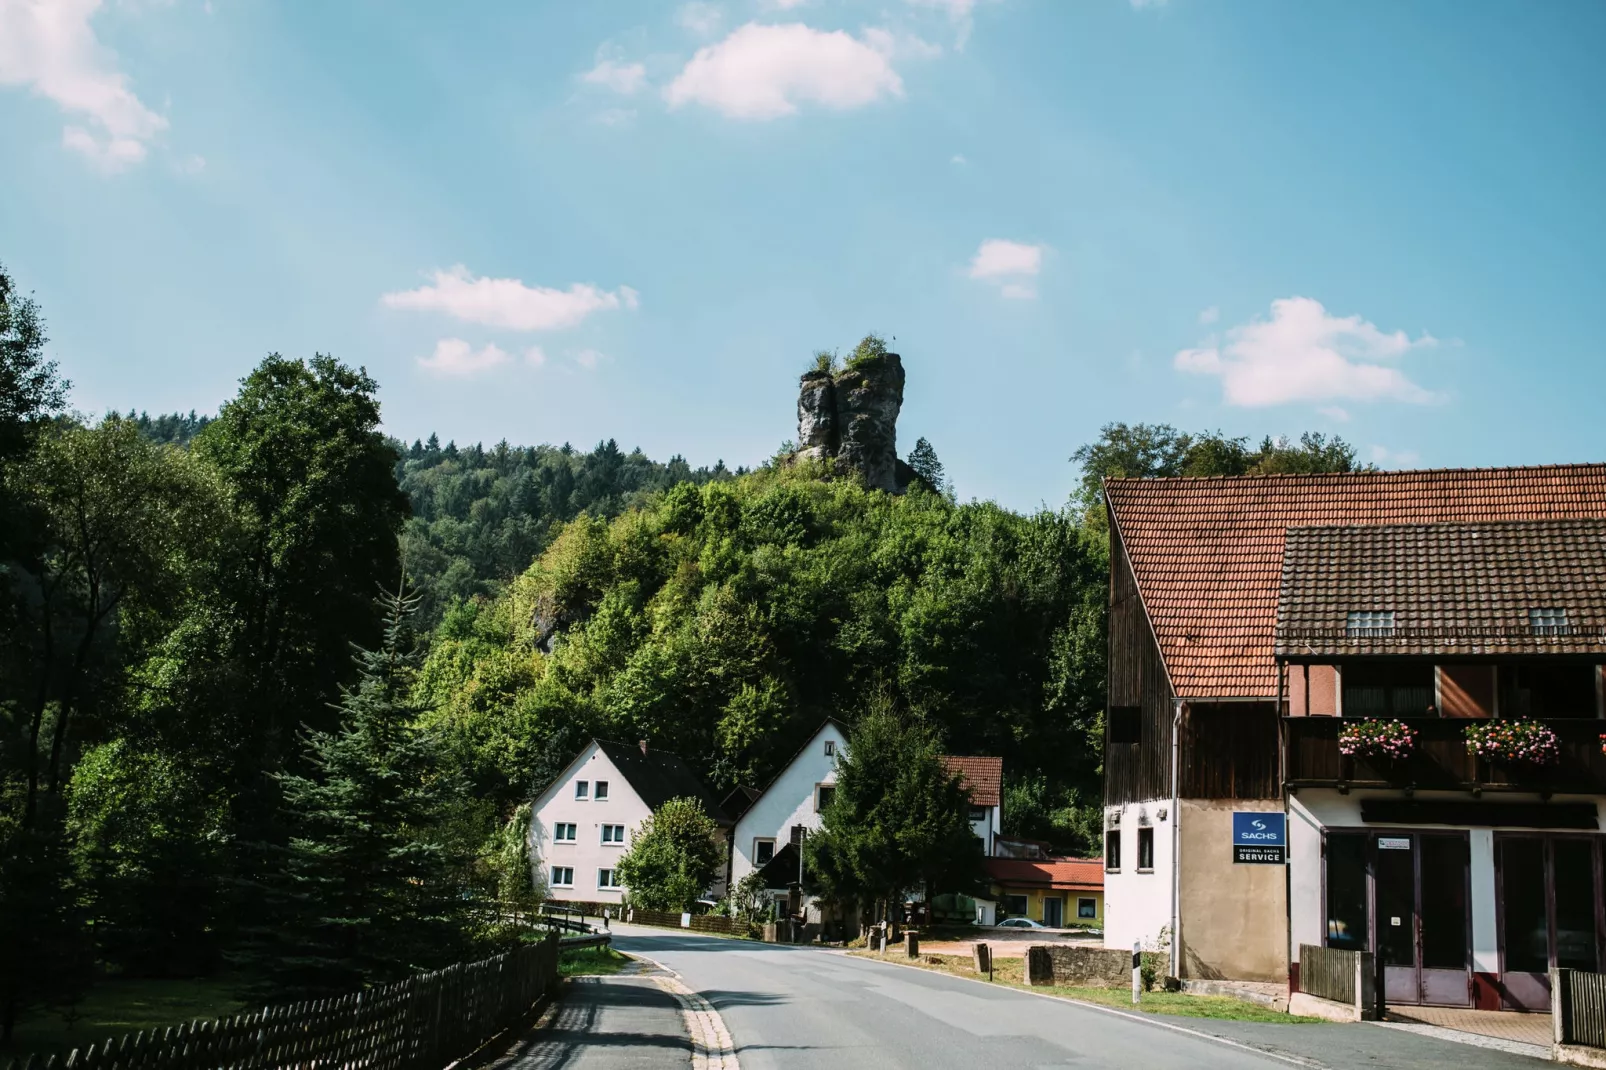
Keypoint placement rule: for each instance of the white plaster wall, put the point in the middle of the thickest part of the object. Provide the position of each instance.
(1485, 935)
(788, 801)
(1306, 916)
(588, 853)
(987, 829)
(1137, 906)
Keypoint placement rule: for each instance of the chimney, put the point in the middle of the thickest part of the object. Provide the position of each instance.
(643, 746)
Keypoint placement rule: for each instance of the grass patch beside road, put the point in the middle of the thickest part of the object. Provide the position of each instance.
(591, 961)
(1011, 972)
(115, 1007)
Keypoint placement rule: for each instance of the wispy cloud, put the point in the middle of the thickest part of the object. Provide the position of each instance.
(1210, 315)
(1011, 265)
(535, 356)
(1335, 413)
(961, 13)
(623, 78)
(765, 72)
(1302, 353)
(455, 357)
(701, 18)
(957, 158)
(1382, 455)
(50, 47)
(508, 302)
(589, 358)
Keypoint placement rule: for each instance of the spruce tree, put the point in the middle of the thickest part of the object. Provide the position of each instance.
(366, 894)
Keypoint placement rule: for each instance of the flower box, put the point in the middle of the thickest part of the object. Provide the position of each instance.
(1514, 742)
(1390, 740)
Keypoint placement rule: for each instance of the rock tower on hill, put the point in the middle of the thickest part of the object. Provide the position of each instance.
(852, 416)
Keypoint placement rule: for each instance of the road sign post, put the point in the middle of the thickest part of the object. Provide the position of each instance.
(1137, 969)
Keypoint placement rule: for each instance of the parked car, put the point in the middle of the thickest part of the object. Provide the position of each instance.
(1020, 923)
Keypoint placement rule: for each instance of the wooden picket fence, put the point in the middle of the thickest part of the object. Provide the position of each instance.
(421, 1023)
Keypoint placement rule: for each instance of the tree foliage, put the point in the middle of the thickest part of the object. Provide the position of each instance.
(673, 857)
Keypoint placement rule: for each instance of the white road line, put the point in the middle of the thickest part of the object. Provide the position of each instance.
(711, 1044)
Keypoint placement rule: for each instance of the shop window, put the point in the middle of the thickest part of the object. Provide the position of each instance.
(1381, 689)
(1347, 920)
(1145, 849)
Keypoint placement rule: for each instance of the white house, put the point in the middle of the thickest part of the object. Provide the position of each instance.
(982, 779)
(789, 806)
(584, 820)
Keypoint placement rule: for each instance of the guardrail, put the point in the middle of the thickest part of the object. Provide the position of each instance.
(422, 1023)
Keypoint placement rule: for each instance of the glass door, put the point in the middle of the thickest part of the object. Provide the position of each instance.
(1053, 911)
(1550, 913)
(1423, 918)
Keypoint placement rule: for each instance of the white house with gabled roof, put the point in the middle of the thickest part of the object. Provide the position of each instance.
(788, 808)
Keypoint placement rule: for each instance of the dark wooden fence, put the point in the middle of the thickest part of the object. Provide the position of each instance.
(422, 1023)
(1328, 972)
(1579, 1003)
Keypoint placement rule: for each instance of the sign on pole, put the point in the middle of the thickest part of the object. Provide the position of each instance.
(1259, 838)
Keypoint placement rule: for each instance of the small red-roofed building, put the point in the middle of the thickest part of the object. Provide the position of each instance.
(1058, 892)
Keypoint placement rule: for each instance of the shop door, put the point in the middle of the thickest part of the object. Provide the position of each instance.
(1423, 919)
(1054, 912)
(1550, 913)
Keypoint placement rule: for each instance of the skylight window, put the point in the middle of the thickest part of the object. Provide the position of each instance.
(1369, 624)
(1549, 621)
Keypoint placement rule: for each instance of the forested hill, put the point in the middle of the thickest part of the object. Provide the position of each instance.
(480, 516)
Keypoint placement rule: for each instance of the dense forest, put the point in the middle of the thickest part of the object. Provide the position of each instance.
(274, 687)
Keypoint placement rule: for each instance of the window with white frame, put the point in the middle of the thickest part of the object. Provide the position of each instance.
(1369, 624)
(582, 789)
(563, 876)
(763, 851)
(601, 794)
(1549, 621)
(613, 834)
(823, 794)
(607, 878)
(563, 832)
(830, 748)
(1087, 908)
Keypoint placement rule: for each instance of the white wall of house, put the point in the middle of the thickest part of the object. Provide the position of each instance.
(988, 828)
(586, 855)
(1137, 903)
(791, 799)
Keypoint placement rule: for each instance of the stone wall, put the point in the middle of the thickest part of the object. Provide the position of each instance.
(1093, 967)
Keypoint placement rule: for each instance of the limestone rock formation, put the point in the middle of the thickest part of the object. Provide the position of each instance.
(852, 416)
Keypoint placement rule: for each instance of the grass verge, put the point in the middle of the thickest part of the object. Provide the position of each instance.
(591, 961)
(1181, 1004)
(115, 1007)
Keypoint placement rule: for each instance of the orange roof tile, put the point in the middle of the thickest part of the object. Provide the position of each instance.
(982, 778)
(1078, 874)
(1207, 552)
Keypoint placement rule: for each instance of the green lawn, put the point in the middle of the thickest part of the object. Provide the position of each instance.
(587, 961)
(115, 1007)
(1009, 971)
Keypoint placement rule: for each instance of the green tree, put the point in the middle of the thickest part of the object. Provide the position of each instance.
(923, 459)
(367, 893)
(673, 857)
(899, 821)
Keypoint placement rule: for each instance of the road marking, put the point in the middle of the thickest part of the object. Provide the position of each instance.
(711, 1044)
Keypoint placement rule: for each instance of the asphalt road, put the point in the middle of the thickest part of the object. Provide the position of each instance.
(802, 1008)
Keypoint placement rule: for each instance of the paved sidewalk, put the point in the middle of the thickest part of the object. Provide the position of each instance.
(619, 1023)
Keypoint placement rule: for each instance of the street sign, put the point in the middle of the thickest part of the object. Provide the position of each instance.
(1259, 838)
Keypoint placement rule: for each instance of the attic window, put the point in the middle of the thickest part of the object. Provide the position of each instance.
(1549, 621)
(1370, 624)
(830, 748)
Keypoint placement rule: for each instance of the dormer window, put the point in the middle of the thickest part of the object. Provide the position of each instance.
(1549, 621)
(1369, 624)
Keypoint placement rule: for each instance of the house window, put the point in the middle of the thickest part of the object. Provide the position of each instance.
(1546, 689)
(563, 832)
(613, 834)
(830, 748)
(582, 789)
(1112, 849)
(1126, 724)
(1145, 849)
(563, 876)
(978, 814)
(799, 834)
(602, 791)
(763, 851)
(824, 793)
(1381, 689)
(1014, 905)
(1369, 624)
(1549, 621)
(1087, 908)
(607, 878)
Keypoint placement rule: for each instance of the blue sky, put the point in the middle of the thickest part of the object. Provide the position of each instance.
(574, 221)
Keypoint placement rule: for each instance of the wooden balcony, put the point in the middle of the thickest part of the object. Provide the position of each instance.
(1441, 762)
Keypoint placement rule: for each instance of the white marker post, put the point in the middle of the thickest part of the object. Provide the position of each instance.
(1137, 969)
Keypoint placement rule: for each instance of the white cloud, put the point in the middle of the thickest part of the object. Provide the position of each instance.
(1397, 458)
(1304, 354)
(535, 356)
(624, 78)
(786, 5)
(956, 158)
(1018, 291)
(1334, 412)
(1210, 315)
(960, 13)
(589, 358)
(49, 46)
(997, 258)
(616, 116)
(508, 302)
(191, 165)
(700, 18)
(765, 72)
(453, 356)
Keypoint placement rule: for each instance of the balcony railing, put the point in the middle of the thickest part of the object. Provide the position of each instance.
(1440, 759)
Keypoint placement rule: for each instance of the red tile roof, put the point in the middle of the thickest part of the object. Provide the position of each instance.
(1207, 552)
(982, 778)
(1071, 874)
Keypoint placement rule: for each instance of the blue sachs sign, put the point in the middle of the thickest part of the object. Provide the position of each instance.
(1258, 829)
